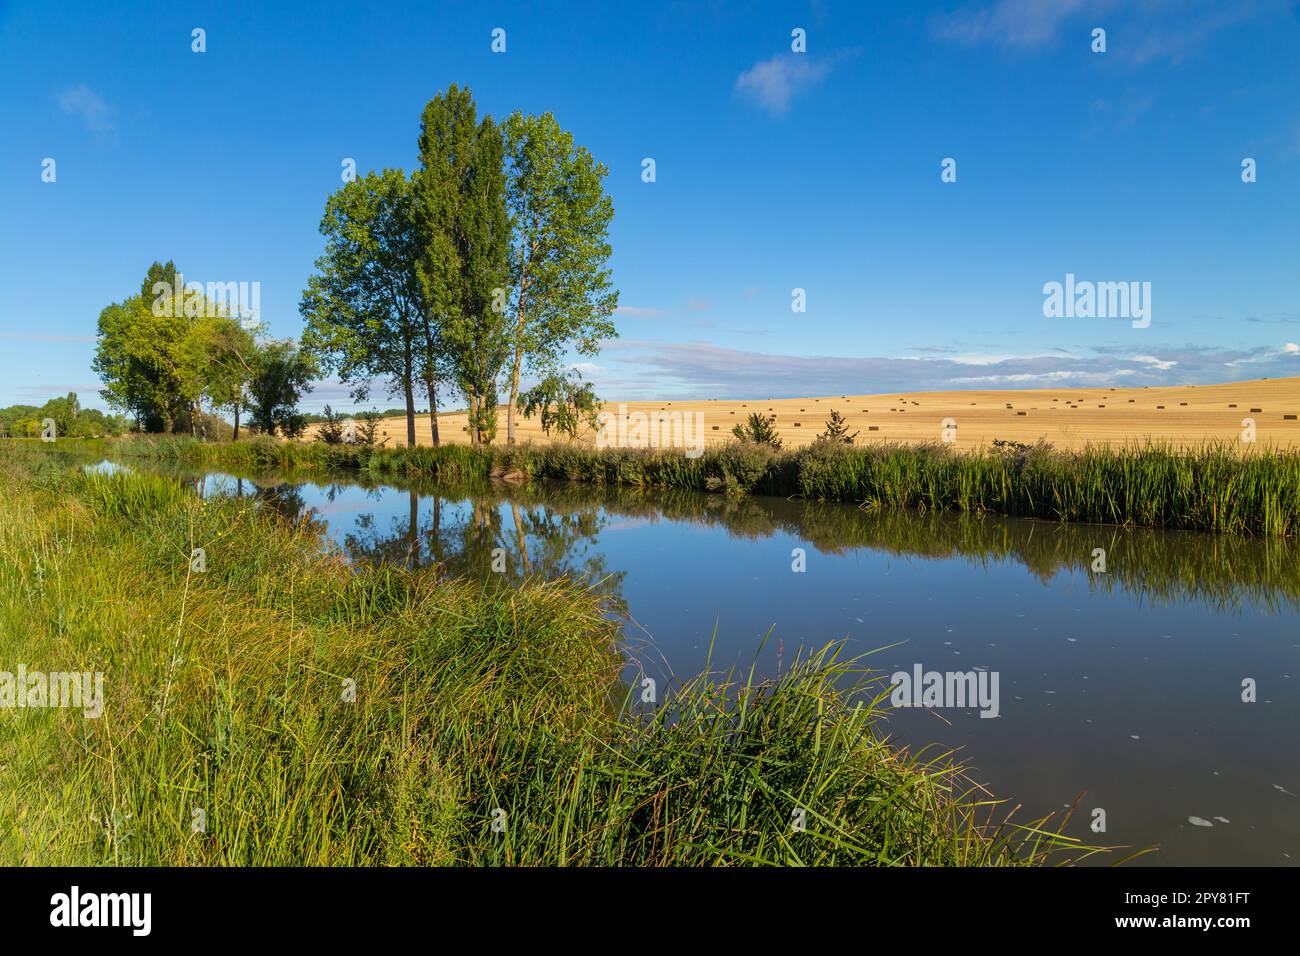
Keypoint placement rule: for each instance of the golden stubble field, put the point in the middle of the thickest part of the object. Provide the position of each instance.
(1070, 418)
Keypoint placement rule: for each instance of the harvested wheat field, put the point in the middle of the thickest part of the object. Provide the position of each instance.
(1067, 417)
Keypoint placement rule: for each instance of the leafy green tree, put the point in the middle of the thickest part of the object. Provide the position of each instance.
(138, 358)
(281, 374)
(566, 403)
(464, 238)
(14, 419)
(158, 280)
(70, 419)
(365, 309)
(219, 359)
(758, 429)
(161, 352)
(561, 293)
(64, 412)
(92, 423)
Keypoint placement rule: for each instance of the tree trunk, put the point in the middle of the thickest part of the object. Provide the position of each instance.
(519, 356)
(514, 395)
(410, 413)
(433, 410)
(235, 437)
(408, 375)
(473, 417)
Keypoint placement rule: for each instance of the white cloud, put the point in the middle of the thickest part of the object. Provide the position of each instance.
(704, 370)
(1017, 24)
(1153, 31)
(45, 337)
(774, 83)
(94, 111)
(639, 313)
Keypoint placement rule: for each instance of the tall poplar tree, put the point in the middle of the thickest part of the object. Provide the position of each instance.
(463, 230)
(561, 293)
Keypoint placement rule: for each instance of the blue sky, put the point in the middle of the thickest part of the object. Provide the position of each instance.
(775, 171)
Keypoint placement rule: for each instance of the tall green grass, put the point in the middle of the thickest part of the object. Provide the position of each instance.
(1217, 487)
(225, 692)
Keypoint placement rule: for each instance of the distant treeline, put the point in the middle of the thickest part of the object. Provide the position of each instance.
(68, 418)
(315, 418)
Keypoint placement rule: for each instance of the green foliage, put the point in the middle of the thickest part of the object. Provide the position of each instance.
(70, 420)
(139, 356)
(165, 351)
(758, 429)
(561, 292)
(330, 429)
(566, 404)
(333, 428)
(282, 373)
(364, 308)
(222, 357)
(158, 280)
(367, 430)
(464, 234)
(837, 430)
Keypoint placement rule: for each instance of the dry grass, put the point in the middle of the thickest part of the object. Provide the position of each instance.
(1069, 418)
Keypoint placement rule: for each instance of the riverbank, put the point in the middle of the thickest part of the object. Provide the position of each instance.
(1215, 488)
(265, 704)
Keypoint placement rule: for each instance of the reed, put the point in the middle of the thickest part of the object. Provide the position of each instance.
(1217, 487)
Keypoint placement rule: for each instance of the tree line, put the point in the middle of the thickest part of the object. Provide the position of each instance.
(70, 420)
(485, 265)
(164, 351)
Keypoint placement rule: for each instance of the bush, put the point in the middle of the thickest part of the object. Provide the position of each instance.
(837, 430)
(759, 430)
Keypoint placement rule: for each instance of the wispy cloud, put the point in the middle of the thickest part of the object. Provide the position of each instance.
(44, 337)
(636, 312)
(1152, 31)
(1015, 24)
(774, 83)
(703, 370)
(1175, 41)
(1157, 363)
(93, 110)
(87, 393)
(1122, 112)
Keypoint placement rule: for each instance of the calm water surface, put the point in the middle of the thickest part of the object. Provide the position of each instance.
(1123, 686)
